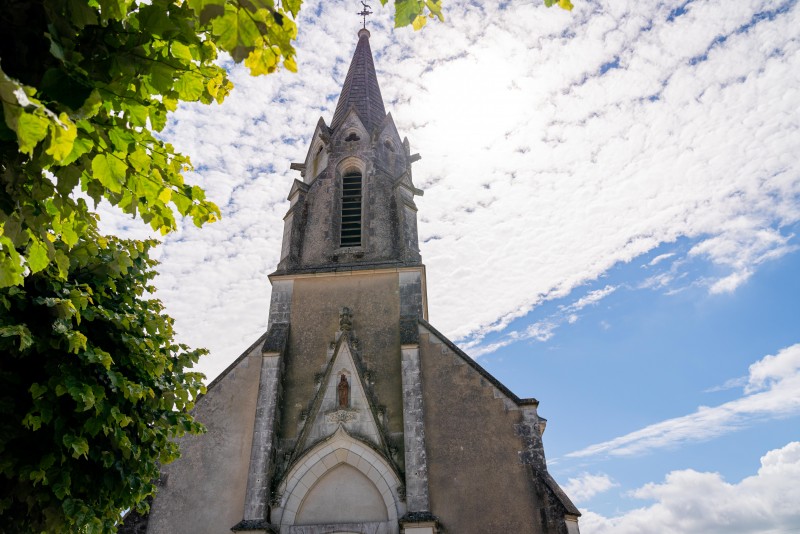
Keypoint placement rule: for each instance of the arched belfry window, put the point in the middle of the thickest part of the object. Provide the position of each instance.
(351, 209)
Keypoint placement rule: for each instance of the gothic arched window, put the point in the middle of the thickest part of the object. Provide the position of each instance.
(351, 209)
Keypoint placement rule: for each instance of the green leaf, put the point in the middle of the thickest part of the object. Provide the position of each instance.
(31, 129)
(190, 86)
(235, 29)
(76, 341)
(139, 113)
(62, 487)
(81, 13)
(115, 9)
(406, 11)
(80, 146)
(77, 444)
(139, 159)
(62, 261)
(181, 51)
(262, 61)
(435, 7)
(164, 195)
(121, 138)
(11, 267)
(110, 171)
(62, 138)
(293, 6)
(37, 390)
(206, 10)
(68, 233)
(37, 256)
(93, 103)
(20, 331)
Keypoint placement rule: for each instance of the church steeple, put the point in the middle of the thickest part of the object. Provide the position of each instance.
(354, 207)
(360, 90)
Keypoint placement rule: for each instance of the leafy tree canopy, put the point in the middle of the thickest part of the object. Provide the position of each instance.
(93, 390)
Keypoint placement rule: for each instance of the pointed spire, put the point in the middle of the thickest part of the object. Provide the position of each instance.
(360, 89)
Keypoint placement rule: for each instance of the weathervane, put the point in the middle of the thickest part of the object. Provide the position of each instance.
(364, 12)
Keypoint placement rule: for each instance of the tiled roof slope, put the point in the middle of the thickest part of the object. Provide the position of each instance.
(360, 89)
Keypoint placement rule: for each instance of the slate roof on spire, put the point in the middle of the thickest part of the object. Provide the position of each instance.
(360, 89)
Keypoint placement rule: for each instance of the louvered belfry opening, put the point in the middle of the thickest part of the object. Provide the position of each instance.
(351, 209)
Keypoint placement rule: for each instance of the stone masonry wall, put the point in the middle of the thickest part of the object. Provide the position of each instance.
(204, 490)
(477, 481)
(316, 302)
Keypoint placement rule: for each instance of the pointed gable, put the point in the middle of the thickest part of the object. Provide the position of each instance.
(360, 89)
(328, 413)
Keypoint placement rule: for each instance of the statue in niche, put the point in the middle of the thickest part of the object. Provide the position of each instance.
(346, 320)
(343, 390)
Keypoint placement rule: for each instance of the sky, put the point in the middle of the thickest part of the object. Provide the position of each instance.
(609, 224)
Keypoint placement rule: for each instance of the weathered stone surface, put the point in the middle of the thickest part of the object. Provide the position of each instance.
(416, 463)
(382, 527)
(409, 331)
(277, 337)
(259, 479)
(317, 300)
(280, 305)
(412, 294)
(475, 475)
(254, 527)
(204, 491)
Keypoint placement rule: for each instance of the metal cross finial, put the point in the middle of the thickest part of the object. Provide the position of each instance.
(364, 12)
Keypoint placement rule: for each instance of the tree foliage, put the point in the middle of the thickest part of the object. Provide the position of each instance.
(93, 390)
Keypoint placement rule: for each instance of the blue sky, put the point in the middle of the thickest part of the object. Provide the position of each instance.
(609, 224)
(641, 356)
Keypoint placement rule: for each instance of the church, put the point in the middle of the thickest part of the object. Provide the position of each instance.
(352, 413)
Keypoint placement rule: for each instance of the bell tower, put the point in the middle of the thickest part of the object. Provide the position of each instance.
(352, 413)
(354, 206)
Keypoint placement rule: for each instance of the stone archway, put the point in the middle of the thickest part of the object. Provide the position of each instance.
(340, 482)
(342, 495)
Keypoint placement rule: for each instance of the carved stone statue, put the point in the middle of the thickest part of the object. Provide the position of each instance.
(343, 390)
(346, 320)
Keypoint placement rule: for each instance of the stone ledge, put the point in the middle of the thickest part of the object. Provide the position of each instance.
(276, 339)
(254, 525)
(415, 518)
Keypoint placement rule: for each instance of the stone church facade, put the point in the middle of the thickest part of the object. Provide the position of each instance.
(352, 414)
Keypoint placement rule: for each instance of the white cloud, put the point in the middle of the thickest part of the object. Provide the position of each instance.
(584, 487)
(658, 259)
(590, 299)
(729, 384)
(768, 372)
(692, 502)
(772, 391)
(540, 330)
(543, 330)
(743, 245)
(536, 167)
